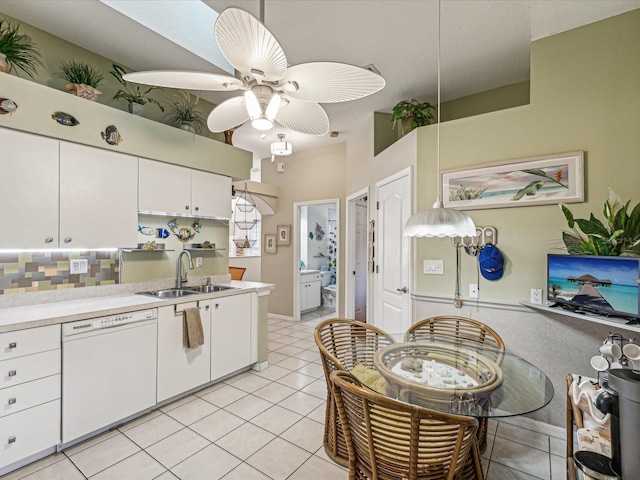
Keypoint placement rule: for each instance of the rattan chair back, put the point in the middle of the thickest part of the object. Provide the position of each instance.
(343, 343)
(389, 439)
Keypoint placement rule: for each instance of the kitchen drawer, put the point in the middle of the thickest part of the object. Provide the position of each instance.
(28, 341)
(25, 369)
(28, 395)
(29, 432)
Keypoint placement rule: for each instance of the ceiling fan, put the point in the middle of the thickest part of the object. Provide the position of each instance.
(272, 90)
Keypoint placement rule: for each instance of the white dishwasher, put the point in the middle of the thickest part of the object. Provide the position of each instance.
(108, 370)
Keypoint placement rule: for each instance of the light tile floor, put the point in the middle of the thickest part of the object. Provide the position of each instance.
(260, 426)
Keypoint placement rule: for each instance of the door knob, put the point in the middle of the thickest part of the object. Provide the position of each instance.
(403, 289)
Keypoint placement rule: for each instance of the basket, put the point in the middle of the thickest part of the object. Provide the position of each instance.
(453, 378)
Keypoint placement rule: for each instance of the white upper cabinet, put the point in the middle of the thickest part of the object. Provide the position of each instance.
(98, 198)
(210, 194)
(164, 188)
(29, 194)
(176, 190)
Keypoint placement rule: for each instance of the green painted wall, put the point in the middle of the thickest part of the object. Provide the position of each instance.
(500, 98)
(585, 92)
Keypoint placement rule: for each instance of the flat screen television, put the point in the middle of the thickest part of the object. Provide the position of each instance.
(603, 285)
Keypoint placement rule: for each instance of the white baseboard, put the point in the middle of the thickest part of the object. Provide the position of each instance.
(259, 366)
(280, 317)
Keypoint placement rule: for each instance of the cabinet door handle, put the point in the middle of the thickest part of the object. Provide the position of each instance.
(12, 401)
(12, 439)
(13, 344)
(206, 308)
(48, 240)
(216, 306)
(197, 208)
(186, 207)
(12, 373)
(68, 240)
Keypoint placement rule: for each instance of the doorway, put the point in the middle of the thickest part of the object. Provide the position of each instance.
(357, 267)
(316, 265)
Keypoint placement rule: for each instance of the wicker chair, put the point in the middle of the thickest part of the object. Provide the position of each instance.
(389, 439)
(342, 344)
(468, 331)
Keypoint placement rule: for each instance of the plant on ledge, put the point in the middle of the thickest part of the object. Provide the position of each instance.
(83, 79)
(184, 114)
(136, 96)
(411, 114)
(620, 236)
(17, 51)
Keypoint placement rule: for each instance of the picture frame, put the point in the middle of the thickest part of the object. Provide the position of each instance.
(270, 243)
(283, 233)
(543, 180)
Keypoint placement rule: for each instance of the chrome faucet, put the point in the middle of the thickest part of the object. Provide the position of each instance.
(179, 278)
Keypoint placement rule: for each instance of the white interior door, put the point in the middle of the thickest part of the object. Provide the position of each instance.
(360, 267)
(393, 254)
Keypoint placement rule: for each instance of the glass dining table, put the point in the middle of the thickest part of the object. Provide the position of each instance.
(455, 376)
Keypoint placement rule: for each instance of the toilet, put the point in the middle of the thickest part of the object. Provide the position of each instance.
(328, 289)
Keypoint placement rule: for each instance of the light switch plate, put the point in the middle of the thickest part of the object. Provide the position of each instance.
(198, 262)
(473, 290)
(433, 267)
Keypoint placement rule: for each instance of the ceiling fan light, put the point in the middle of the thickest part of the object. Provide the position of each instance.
(439, 222)
(252, 104)
(272, 108)
(261, 123)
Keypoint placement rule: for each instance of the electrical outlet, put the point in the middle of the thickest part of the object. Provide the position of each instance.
(198, 262)
(433, 267)
(473, 290)
(536, 296)
(79, 265)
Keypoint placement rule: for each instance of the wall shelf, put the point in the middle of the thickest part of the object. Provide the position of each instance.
(138, 250)
(589, 317)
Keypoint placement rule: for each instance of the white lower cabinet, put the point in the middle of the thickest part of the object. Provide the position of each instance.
(179, 368)
(231, 333)
(309, 291)
(29, 393)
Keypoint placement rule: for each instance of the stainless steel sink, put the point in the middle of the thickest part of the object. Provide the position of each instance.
(170, 293)
(209, 288)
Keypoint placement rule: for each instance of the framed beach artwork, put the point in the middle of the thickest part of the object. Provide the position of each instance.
(284, 235)
(270, 243)
(549, 179)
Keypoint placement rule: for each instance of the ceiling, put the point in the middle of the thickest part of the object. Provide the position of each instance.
(484, 44)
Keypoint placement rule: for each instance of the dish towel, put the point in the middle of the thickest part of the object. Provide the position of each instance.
(192, 333)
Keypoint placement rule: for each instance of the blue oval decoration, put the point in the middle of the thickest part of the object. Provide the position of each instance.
(65, 119)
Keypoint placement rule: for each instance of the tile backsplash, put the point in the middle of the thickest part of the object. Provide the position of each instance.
(22, 272)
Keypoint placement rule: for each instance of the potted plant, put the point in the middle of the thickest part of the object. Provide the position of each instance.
(183, 113)
(134, 94)
(620, 236)
(17, 51)
(411, 114)
(83, 79)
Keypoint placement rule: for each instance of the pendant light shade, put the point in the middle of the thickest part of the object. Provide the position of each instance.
(439, 221)
(281, 147)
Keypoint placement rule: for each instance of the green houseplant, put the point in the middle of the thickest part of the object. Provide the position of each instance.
(411, 114)
(619, 237)
(83, 79)
(17, 51)
(134, 94)
(184, 114)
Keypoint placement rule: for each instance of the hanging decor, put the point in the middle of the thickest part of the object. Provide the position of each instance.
(65, 119)
(7, 106)
(184, 234)
(111, 135)
(245, 219)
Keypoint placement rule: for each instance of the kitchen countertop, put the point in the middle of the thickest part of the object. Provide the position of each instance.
(51, 313)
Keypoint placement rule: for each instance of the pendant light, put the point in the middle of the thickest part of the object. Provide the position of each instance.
(439, 221)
